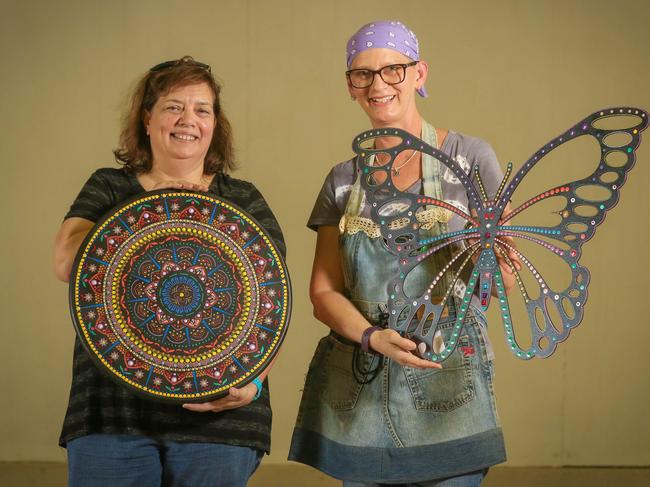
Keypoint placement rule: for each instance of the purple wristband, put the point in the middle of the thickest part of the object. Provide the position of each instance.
(365, 337)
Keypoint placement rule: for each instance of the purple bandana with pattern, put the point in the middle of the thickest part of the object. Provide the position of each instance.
(390, 34)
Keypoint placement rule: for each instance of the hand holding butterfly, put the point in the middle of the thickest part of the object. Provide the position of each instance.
(391, 344)
(507, 272)
(334, 309)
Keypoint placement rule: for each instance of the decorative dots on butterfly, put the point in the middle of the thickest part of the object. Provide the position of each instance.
(488, 237)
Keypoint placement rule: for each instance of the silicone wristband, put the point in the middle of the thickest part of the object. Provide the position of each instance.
(365, 337)
(258, 383)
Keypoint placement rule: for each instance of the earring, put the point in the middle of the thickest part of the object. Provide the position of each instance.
(353, 98)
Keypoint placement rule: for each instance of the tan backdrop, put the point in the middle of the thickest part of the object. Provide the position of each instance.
(513, 72)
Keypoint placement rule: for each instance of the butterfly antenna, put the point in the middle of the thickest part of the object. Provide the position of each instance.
(503, 181)
(480, 183)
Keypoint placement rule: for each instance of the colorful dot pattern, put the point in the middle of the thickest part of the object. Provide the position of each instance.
(180, 296)
(487, 237)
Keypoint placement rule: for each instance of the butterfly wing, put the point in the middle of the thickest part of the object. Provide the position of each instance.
(586, 203)
(418, 317)
(486, 237)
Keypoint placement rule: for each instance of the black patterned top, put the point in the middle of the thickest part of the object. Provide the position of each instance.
(99, 405)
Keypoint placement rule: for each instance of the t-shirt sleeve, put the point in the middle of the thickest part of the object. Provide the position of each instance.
(325, 211)
(94, 199)
(259, 209)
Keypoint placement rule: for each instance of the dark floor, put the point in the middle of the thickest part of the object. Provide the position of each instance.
(292, 475)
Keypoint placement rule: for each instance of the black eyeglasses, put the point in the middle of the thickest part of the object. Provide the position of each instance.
(392, 74)
(177, 62)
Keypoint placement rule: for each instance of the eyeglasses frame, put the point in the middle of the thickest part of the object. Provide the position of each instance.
(378, 72)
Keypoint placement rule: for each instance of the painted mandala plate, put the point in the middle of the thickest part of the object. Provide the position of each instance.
(180, 296)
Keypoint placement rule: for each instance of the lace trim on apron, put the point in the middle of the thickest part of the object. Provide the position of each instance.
(427, 218)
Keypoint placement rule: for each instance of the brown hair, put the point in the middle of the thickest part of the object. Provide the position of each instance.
(134, 150)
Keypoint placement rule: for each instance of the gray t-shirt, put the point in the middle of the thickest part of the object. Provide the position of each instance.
(466, 150)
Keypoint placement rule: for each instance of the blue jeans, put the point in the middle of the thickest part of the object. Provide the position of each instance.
(472, 479)
(136, 461)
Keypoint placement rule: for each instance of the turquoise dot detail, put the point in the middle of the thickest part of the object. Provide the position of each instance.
(629, 150)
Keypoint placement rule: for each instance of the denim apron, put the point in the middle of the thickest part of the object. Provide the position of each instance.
(405, 425)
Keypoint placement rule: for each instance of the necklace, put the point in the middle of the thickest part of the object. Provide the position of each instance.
(396, 169)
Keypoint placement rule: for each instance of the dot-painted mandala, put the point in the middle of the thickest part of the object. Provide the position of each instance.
(180, 296)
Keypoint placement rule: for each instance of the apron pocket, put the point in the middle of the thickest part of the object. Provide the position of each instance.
(443, 390)
(340, 389)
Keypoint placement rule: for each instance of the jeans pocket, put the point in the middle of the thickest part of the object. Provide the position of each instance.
(340, 388)
(311, 399)
(443, 390)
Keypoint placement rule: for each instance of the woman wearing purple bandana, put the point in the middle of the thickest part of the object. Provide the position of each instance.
(372, 412)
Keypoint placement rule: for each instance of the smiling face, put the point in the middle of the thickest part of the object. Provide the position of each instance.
(181, 123)
(388, 105)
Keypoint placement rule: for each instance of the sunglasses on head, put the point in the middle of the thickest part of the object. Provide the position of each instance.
(178, 62)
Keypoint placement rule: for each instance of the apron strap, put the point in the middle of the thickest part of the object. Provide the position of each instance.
(430, 165)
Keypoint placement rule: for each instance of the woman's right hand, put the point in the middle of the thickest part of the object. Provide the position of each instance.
(399, 349)
(334, 309)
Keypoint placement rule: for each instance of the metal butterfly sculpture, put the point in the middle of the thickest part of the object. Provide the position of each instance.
(488, 233)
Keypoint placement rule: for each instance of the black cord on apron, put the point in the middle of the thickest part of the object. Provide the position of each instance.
(365, 374)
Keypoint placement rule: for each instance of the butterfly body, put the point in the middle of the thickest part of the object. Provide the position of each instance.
(487, 243)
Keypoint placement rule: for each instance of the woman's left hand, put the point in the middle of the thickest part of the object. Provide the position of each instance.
(236, 398)
(507, 272)
(512, 255)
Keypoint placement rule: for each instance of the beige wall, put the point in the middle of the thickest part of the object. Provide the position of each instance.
(513, 72)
